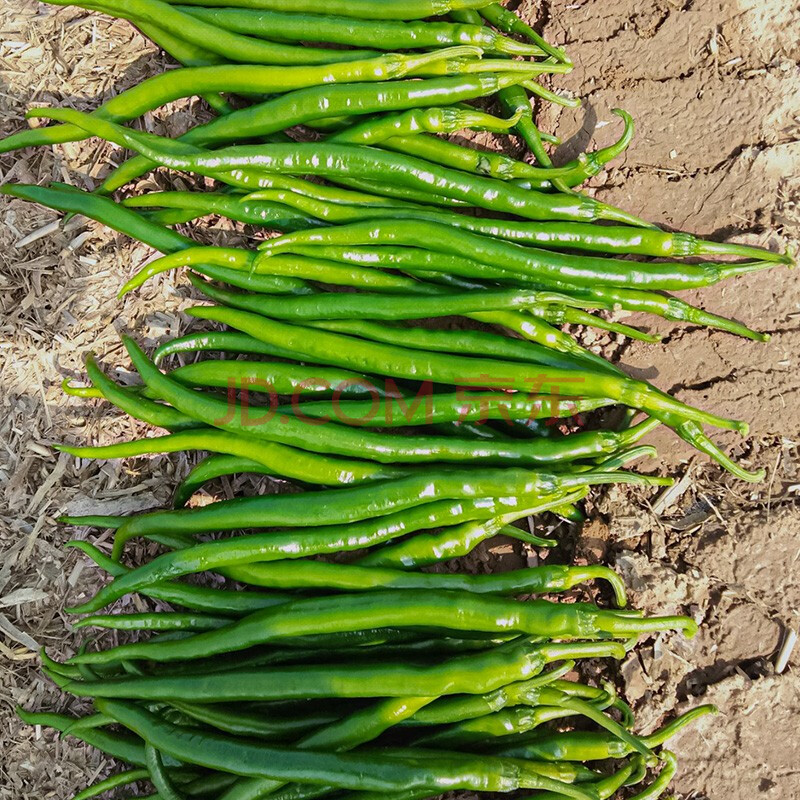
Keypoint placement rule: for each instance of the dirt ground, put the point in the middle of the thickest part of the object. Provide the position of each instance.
(715, 89)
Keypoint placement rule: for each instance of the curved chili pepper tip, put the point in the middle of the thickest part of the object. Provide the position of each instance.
(606, 154)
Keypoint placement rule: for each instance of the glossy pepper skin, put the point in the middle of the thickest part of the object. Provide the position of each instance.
(359, 9)
(354, 32)
(280, 429)
(189, 596)
(542, 265)
(305, 105)
(474, 673)
(515, 487)
(325, 539)
(230, 46)
(332, 161)
(319, 574)
(236, 78)
(372, 771)
(388, 608)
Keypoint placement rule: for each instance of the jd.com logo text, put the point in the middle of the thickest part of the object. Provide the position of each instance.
(359, 402)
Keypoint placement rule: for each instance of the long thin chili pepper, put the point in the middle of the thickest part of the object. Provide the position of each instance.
(509, 22)
(516, 487)
(581, 271)
(498, 165)
(460, 407)
(210, 468)
(336, 205)
(467, 342)
(388, 770)
(304, 105)
(455, 370)
(163, 621)
(359, 9)
(595, 746)
(231, 46)
(430, 120)
(389, 608)
(189, 55)
(424, 549)
(451, 369)
(515, 101)
(113, 782)
(390, 307)
(279, 378)
(389, 35)
(331, 160)
(319, 575)
(283, 429)
(285, 273)
(347, 536)
(237, 78)
(278, 459)
(320, 269)
(472, 673)
(115, 216)
(158, 774)
(196, 598)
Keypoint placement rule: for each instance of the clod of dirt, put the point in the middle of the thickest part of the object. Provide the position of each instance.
(747, 751)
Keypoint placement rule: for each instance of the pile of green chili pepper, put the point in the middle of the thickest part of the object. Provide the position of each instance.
(333, 648)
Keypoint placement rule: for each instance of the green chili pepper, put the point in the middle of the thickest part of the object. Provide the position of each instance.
(117, 217)
(277, 459)
(509, 22)
(238, 78)
(511, 721)
(428, 409)
(366, 501)
(158, 774)
(472, 673)
(388, 35)
(339, 350)
(285, 379)
(242, 268)
(341, 205)
(225, 341)
(430, 120)
(388, 307)
(335, 161)
(210, 468)
(384, 770)
(231, 46)
(123, 747)
(661, 783)
(580, 271)
(135, 404)
(233, 719)
(347, 536)
(113, 782)
(395, 608)
(282, 429)
(498, 165)
(434, 367)
(425, 549)
(359, 9)
(358, 728)
(595, 746)
(355, 578)
(196, 598)
(304, 105)
(164, 621)
(189, 55)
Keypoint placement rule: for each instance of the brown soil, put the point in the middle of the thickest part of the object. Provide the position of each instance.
(714, 87)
